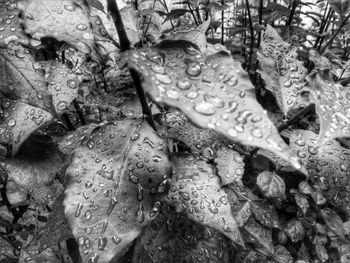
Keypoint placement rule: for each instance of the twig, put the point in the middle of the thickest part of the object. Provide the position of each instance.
(79, 112)
(251, 49)
(291, 15)
(301, 114)
(113, 9)
(192, 13)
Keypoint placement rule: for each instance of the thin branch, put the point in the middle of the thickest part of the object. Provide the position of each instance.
(113, 10)
(301, 114)
(252, 40)
(192, 13)
(291, 15)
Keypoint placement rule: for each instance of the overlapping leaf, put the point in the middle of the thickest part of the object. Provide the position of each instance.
(175, 238)
(271, 185)
(328, 164)
(48, 18)
(195, 190)
(332, 107)
(283, 74)
(342, 7)
(213, 92)
(118, 172)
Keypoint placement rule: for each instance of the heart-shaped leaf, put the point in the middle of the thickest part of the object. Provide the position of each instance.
(328, 165)
(331, 100)
(271, 185)
(230, 166)
(213, 92)
(175, 238)
(195, 190)
(48, 18)
(283, 74)
(111, 199)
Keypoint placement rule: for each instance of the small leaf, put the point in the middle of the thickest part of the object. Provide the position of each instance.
(49, 19)
(175, 13)
(333, 221)
(302, 202)
(230, 166)
(135, 165)
(265, 213)
(260, 234)
(195, 190)
(271, 185)
(295, 230)
(283, 74)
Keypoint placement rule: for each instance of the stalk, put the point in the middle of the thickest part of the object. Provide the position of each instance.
(252, 40)
(290, 19)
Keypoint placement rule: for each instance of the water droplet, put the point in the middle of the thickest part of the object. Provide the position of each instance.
(256, 132)
(112, 204)
(72, 83)
(193, 68)
(78, 209)
(11, 122)
(232, 132)
(216, 101)
(163, 78)
(172, 94)
(102, 242)
(81, 27)
(204, 108)
(116, 240)
(183, 84)
(69, 7)
(87, 215)
(61, 105)
(140, 214)
(232, 106)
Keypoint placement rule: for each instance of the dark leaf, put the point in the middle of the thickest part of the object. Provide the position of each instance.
(333, 221)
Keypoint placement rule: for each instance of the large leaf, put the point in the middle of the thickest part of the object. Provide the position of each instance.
(283, 74)
(48, 18)
(214, 92)
(331, 100)
(175, 238)
(328, 165)
(195, 190)
(118, 171)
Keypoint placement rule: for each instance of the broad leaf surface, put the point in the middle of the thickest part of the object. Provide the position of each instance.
(10, 26)
(213, 92)
(331, 100)
(283, 74)
(230, 166)
(118, 172)
(327, 164)
(48, 18)
(175, 238)
(271, 185)
(195, 190)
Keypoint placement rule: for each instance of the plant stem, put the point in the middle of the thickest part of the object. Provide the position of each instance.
(326, 28)
(251, 49)
(335, 33)
(222, 24)
(291, 15)
(261, 5)
(323, 22)
(301, 114)
(113, 9)
(192, 13)
(167, 11)
(68, 122)
(143, 100)
(198, 15)
(79, 112)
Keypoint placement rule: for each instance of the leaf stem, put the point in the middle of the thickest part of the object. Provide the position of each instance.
(192, 13)
(296, 117)
(290, 19)
(79, 112)
(251, 49)
(113, 9)
(167, 11)
(222, 24)
(143, 100)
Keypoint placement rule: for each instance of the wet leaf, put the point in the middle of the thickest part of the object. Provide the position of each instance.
(213, 92)
(10, 27)
(271, 185)
(333, 221)
(327, 164)
(175, 238)
(195, 190)
(95, 4)
(265, 213)
(175, 13)
(260, 234)
(331, 100)
(48, 18)
(21, 79)
(110, 200)
(230, 166)
(302, 203)
(63, 84)
(283, 74)
(35, 167)
(295, 230)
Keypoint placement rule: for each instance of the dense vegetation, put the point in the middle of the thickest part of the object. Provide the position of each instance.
(160, 131)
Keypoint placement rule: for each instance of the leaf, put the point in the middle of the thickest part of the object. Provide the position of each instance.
(35, 168)
(21, 78)
(330, 99)
(213, 92)
(295, 230)
(110, 200)
(342, 7)
(333, 221)
(95, 4)
(63, 84)
(260, 234)
(283, 74)
(302, 203)
(327, 164)
(11, 30)
(175, 238)
(48, 18)
(265, 213)
(195, 190)
(230, 166)
(271, 185)
(175, 13)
